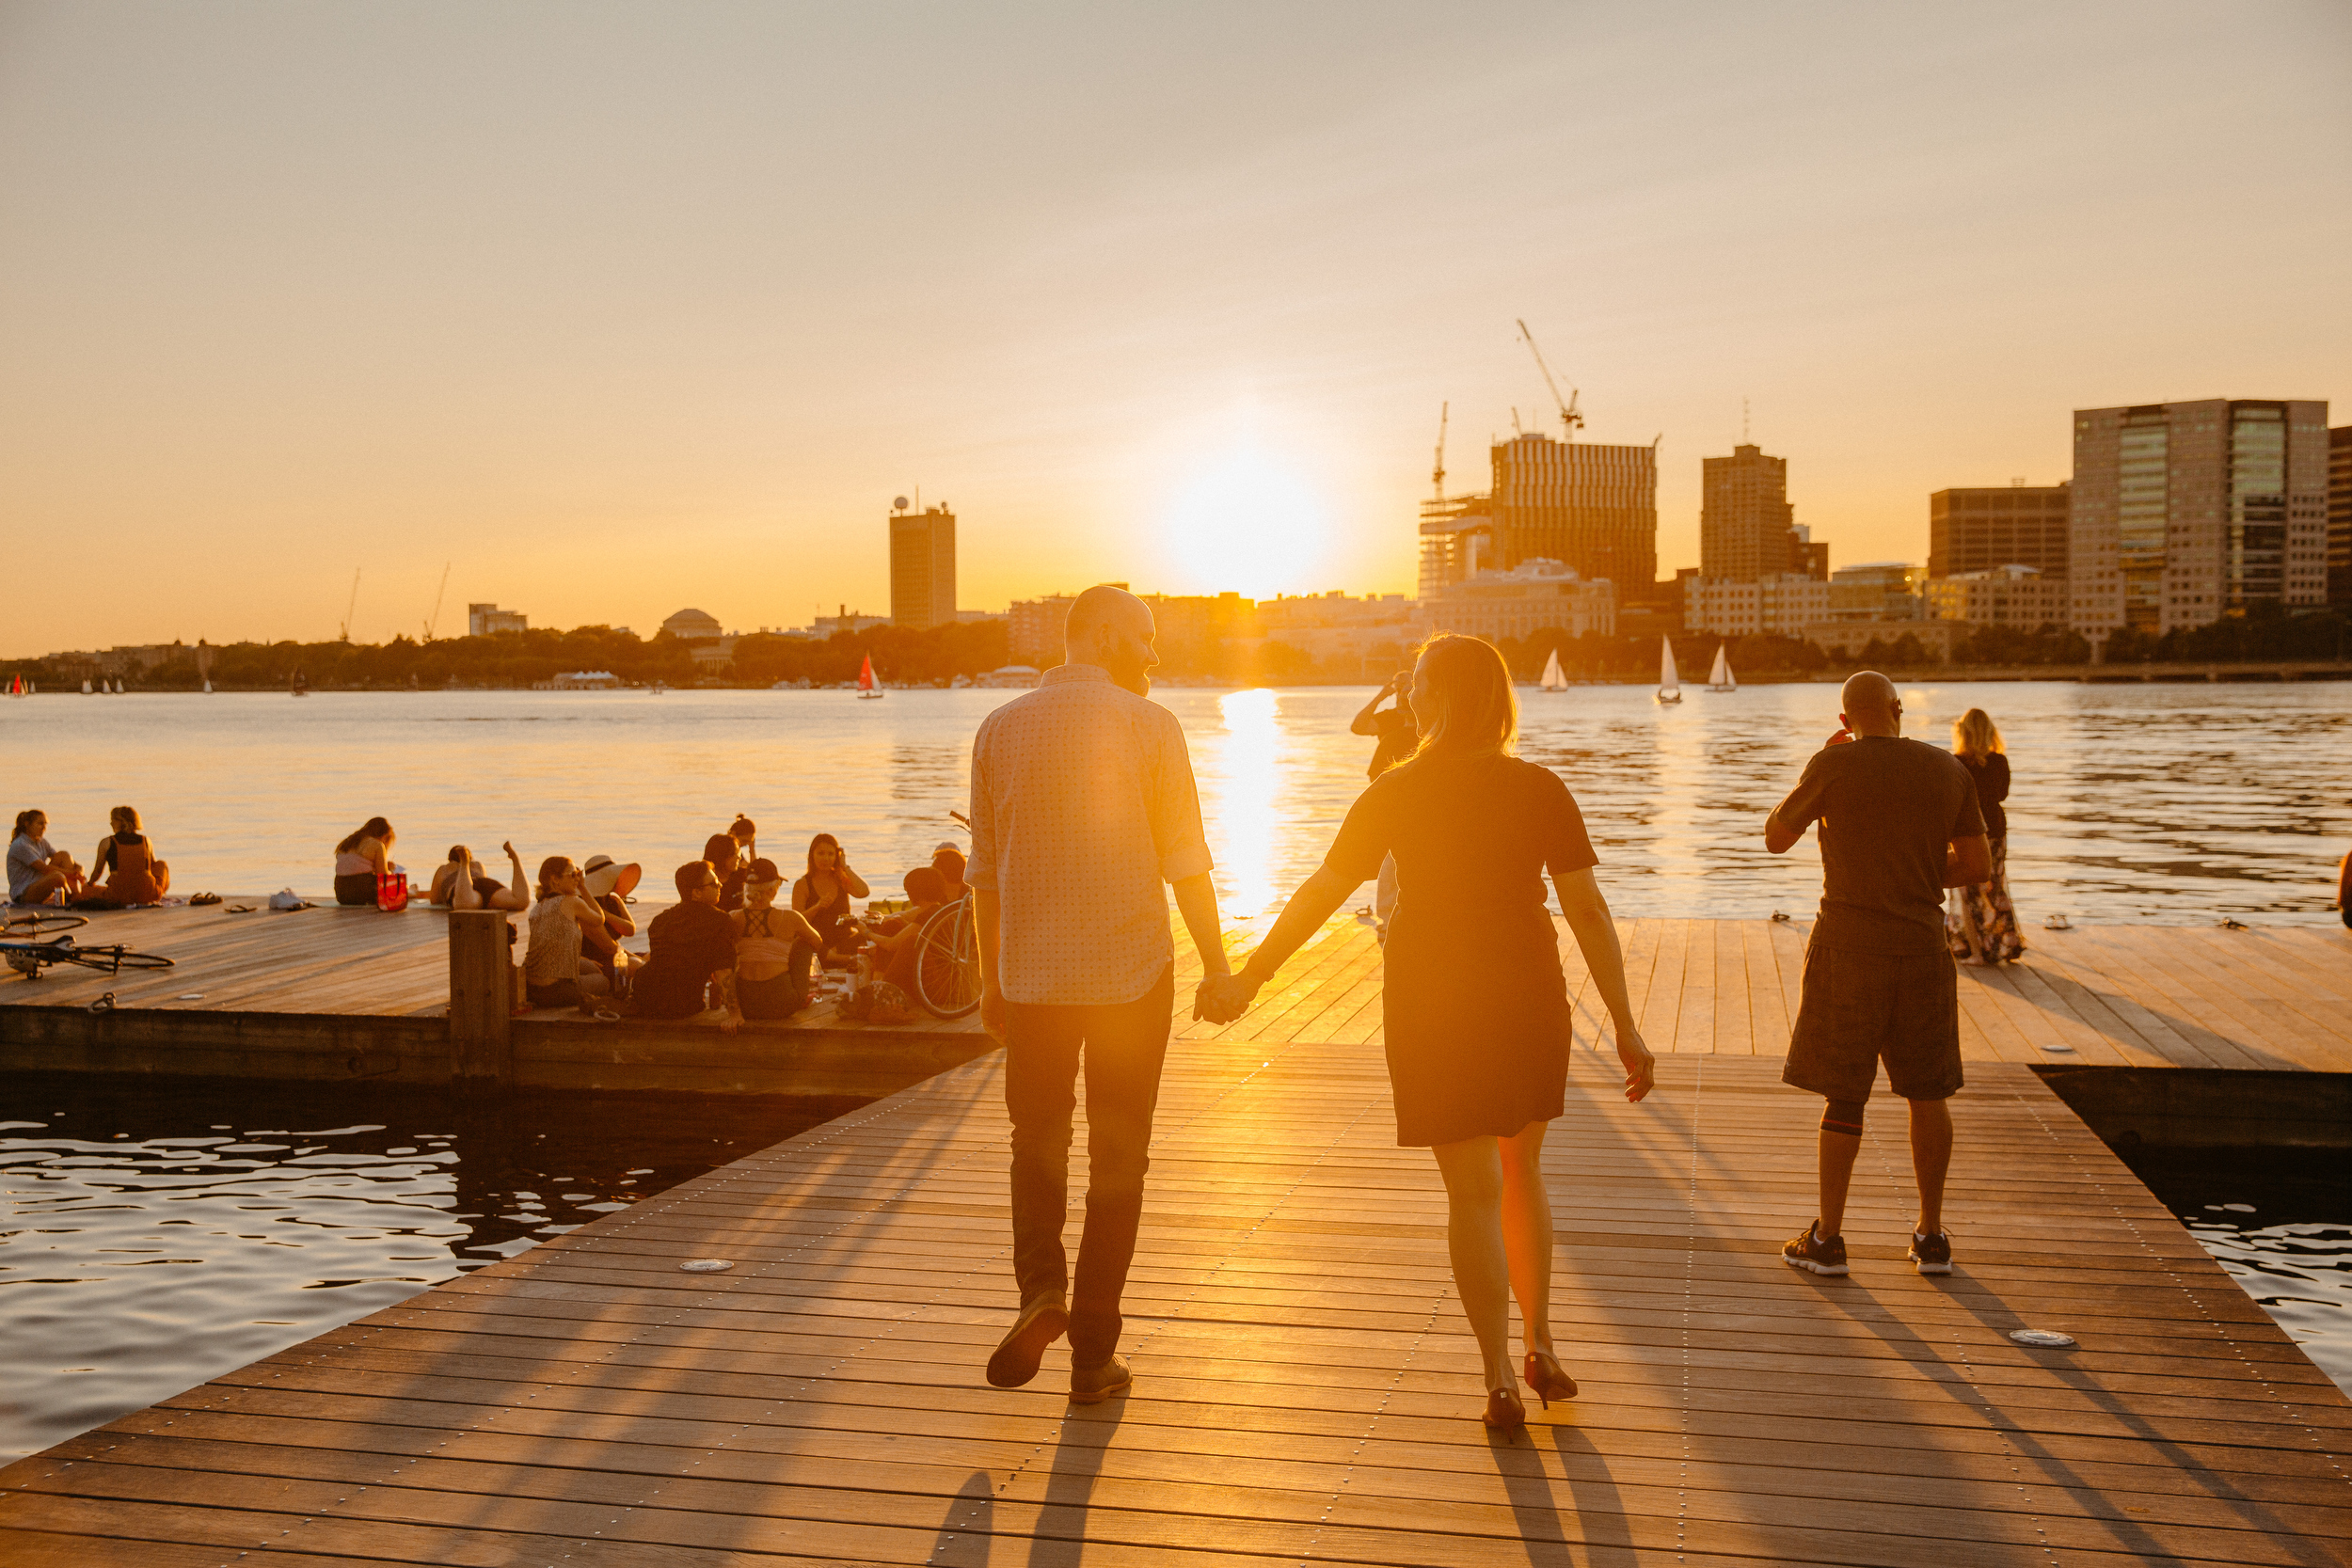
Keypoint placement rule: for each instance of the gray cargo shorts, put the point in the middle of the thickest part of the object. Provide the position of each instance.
(1863, 1008)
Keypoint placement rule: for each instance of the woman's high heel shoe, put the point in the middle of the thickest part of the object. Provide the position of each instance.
(1547, 1378)
(1504, 1413)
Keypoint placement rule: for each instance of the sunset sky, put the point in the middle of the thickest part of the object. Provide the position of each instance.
(624, 307)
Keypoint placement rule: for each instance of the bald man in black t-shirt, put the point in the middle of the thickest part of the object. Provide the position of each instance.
(1899, 824)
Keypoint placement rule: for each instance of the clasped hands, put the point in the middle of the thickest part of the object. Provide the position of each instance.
(1222, 998)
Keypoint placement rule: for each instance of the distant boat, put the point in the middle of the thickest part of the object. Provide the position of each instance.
(84, 685)
(301, 684)
(208, 688)
(658, 689)
(1669, 682)
(1553, 680)
(1719, 678)
(866, 686)
(16, 686)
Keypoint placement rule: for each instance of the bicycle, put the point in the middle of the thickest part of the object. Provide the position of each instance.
(947, 957)
(36, 922)
(29, 958)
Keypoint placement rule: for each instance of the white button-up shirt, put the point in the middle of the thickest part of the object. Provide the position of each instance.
(1083, 804)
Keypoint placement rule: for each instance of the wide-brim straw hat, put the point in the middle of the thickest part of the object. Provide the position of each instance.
(606, 875)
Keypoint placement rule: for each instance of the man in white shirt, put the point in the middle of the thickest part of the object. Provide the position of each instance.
(1083, 804)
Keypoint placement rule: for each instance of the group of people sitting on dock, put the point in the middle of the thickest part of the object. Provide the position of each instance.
(124, 873)
(733, 943)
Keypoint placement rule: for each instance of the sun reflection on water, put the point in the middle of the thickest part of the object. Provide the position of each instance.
(1247, 815)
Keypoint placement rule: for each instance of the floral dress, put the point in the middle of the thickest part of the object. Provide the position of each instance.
(1980, 922)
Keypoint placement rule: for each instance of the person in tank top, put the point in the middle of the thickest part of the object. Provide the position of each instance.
(126, 858)
(774, 949)
(360, 858)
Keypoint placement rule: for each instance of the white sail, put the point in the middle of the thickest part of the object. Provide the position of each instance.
(1720, 678)
(86, 685)
(1669, 680)
(1553, 679)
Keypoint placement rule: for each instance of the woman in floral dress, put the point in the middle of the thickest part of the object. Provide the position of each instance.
(1979, 921)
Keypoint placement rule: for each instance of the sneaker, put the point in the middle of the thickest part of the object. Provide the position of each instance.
(1810, 1251)
(1933, 1254)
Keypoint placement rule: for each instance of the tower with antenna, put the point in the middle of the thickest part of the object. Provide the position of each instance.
(1436, 473)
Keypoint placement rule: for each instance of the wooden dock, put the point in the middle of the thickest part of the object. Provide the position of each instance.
(334, 994)
(1307, 1391)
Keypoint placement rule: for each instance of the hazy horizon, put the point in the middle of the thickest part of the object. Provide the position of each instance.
(621, 310)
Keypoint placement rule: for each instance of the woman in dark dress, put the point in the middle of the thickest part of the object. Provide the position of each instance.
(1478, 1024)
(1980, 922)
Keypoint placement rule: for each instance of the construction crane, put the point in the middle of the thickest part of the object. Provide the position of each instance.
(1569, 418)
(435, 619)
(1437, 474)
(353, 606)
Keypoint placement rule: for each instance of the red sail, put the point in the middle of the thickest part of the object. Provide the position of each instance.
(865, 674)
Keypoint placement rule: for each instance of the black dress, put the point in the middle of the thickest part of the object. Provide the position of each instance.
(1474, 1002)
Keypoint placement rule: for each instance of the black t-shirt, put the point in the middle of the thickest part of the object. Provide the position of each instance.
(690, 943)
(1991, 771)
(1398, 735)
(1471, 836)
(1887, 809)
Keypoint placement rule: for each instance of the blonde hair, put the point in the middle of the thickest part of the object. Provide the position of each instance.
(1471, 707)
(1975, 735)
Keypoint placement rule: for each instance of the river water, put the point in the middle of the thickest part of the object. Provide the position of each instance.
(158, 1235)
(2169, 803)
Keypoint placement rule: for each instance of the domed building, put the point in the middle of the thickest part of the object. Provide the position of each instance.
(693, 625)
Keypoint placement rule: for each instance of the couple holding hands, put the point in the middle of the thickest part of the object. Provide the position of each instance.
(1083, 805)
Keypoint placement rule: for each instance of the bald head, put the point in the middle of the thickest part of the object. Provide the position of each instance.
(1869, 705)
(1111, 627)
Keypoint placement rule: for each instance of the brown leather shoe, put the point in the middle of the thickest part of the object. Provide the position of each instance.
(1093, 1384)
(1042, 1322)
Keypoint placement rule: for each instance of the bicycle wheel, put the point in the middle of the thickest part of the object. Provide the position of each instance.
(114, 961)
(39, 921)
(947, 962)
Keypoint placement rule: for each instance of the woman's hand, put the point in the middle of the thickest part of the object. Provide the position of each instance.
(1641, 1067)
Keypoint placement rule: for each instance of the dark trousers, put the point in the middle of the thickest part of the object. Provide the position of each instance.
(1122, 1045)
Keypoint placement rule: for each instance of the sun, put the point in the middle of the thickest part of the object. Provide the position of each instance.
(1245, 521)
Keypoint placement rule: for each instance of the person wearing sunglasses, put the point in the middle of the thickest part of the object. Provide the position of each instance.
(691, 968)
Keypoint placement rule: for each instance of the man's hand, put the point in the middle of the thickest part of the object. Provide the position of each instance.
(1223, 998)
(1843, 737)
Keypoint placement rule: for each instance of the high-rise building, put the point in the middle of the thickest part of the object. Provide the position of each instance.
(1974, 531)
(923, 568)
(485, 620)
(1592, 508)
(2184, 513)
(2340, 516)
(1457, 539)
(1747, 529)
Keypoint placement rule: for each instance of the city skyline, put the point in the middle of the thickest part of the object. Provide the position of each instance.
(619, 313)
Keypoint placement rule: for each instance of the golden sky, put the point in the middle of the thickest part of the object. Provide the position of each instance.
(620, 308)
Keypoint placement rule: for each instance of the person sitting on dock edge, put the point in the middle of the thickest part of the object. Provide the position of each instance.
(693, 945)
(1083, 804)
(1899, 824)
(37, 874)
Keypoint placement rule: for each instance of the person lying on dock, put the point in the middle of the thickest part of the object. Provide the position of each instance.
(126, 858)
(774, 949)
(36, 873)
(571, 958)
(1899, 824)
(476, 889)
(693, 954)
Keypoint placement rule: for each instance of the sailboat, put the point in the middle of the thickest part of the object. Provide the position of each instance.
(1553, 680)
(16, 686)
(208, 688)
(1719, 678)
(84, 685)
(866, 686)
(1669, 682)
(301, 684)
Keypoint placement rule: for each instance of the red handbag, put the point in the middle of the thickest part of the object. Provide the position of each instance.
(392, 891)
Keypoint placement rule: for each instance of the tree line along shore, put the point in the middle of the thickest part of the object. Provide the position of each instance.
(939, 654)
